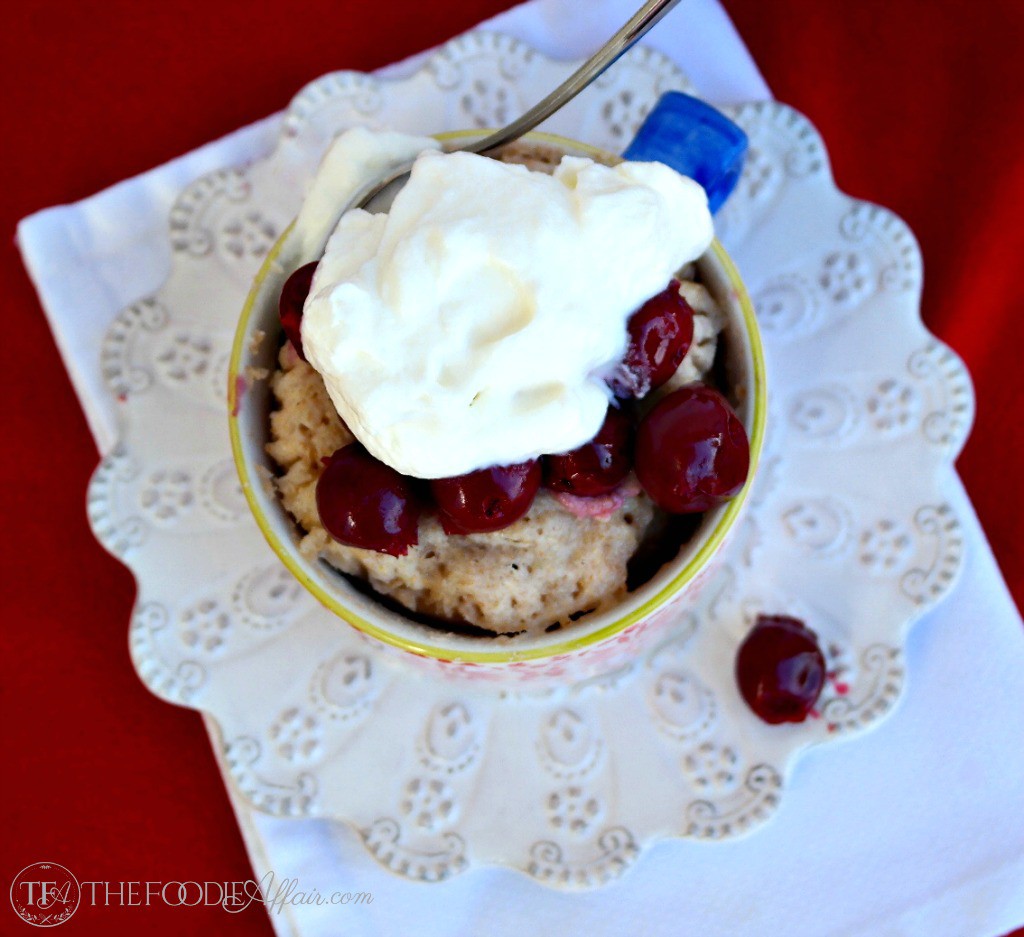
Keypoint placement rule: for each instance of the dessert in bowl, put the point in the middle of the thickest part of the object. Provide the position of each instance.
(517, 540)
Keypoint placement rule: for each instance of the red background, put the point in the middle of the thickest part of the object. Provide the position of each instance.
(919, 104)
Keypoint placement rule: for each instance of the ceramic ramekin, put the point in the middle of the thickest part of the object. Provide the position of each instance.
(598, 642)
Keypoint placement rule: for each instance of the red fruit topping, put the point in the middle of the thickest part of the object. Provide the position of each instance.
(598, 466)
(602, 506)
(780, 669)
(364, 503)
(691, 451)
(293, 298)
(660, 333)
(487, 499)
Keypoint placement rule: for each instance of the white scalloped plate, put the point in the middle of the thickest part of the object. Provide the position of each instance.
(848, 528)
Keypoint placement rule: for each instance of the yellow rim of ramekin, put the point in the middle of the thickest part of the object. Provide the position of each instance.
(696, 563)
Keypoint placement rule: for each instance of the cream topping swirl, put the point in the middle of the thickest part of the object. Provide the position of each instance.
(474, 323)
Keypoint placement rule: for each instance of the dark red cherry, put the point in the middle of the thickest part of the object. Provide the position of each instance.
(487, 499)
(780, 669)
(691, 451)
(364, 503)
(660, 333)
(293, 298)
(596, 467)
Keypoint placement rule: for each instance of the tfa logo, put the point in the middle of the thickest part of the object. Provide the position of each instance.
(45, 894)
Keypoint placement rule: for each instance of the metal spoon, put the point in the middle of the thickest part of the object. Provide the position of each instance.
(378, 194)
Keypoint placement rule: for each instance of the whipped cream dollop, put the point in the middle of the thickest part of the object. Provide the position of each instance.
(473, 324)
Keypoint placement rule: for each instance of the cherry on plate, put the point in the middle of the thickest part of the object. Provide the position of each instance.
(364, 503)
(692, 451)
(660, 333)
(293, 298)
(597, 467)
(780, 669)
(487, 499)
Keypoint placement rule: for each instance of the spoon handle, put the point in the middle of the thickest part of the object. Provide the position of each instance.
(635, 28)
(378, 194)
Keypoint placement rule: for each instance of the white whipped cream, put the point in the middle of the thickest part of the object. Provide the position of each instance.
(354, 158)
(471, 325)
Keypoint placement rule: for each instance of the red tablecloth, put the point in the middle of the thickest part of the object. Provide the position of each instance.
(919, 104)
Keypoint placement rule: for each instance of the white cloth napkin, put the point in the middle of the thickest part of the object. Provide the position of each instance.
(917, 828)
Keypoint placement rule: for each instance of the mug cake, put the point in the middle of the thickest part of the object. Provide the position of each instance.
(511, 407)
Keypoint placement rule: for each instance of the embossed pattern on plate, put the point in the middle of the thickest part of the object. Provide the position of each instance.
(848, 526)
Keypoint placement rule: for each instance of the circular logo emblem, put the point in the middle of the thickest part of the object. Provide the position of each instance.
(45, 894)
